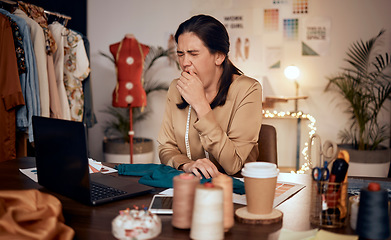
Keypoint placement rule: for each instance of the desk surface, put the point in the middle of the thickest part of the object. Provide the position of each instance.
(95, 222)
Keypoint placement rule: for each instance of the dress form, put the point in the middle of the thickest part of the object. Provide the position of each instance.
(129, 57)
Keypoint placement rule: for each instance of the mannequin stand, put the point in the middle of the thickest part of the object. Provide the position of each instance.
(131, 134)
(243, 216)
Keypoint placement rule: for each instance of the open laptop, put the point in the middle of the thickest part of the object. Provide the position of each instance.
(62, 165)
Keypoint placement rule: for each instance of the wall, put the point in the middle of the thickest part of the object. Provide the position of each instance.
(152, 22)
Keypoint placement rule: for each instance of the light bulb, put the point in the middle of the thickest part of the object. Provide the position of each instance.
(292, 72)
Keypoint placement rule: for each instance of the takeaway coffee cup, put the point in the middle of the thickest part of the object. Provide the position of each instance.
(260, 179)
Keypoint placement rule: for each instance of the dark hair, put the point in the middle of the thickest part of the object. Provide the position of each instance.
(215, 37)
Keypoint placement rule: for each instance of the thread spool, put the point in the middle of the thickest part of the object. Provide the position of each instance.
(183, 200)
(373, 213)
(225, 182)
(207, 222)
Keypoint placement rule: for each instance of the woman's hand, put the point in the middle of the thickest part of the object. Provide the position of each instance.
(204, 166)
(192, 90)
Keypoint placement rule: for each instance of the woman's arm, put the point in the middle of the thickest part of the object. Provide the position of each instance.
(232, 148)
(169, 152)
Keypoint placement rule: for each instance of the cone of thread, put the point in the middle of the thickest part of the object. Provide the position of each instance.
(373, 214)
(207, 222)
(225, 182)
(183, 200)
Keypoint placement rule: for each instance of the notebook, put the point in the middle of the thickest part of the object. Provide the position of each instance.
(61, 154)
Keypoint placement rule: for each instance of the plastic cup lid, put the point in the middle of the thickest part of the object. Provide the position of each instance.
(260, 170)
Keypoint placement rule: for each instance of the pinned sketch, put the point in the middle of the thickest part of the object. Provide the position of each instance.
(273, 57)
(307, 50)
(246, 47)
(316, 36)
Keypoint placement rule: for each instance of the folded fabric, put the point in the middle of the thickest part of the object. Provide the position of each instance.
(31, 214)
(160, 175)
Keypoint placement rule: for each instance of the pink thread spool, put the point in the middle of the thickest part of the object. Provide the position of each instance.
(225, 182)
(183, 200)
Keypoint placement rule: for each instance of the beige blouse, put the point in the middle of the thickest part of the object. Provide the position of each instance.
(229, 133)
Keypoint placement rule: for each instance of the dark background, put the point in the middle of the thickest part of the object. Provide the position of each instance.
(76, 9)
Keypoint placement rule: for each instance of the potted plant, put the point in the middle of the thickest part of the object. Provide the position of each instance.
(365, 86)
(116, 141)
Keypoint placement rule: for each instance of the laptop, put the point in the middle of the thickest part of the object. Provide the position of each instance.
(61, 155)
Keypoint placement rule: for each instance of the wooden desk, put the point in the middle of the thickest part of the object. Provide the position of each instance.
(95, 222)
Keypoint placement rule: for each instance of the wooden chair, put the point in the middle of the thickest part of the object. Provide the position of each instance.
(267, 144)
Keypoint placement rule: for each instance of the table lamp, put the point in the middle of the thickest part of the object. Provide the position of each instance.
(292, 73)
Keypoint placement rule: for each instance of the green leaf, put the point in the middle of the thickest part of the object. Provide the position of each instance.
(364, 86)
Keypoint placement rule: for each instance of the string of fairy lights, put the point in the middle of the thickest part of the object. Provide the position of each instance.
(312, 129)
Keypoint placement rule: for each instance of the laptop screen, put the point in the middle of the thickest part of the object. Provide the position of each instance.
(62, 157)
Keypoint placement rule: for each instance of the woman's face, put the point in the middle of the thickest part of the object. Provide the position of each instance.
(194, 55)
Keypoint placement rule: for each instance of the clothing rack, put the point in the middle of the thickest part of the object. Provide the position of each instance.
(65, 17)
(8, 5)
(9, 2)
(59, 15)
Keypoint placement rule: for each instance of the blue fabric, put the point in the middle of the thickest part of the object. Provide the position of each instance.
(160, 175)
(28, 81)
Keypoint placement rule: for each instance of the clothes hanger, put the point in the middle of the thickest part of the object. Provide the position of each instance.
(9, 5)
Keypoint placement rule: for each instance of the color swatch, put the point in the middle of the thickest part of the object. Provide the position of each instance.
(282, 188)
(280, 2)
(291, 29)
(270, 19)
(300, 6)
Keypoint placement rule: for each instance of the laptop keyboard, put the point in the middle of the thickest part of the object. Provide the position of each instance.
(99, 191)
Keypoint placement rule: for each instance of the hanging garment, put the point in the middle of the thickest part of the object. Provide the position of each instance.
(89, 117)
(10, 91)
(38, 40)
(55, 104)
(18, 42)
(60, 36)
(38, 15)
(129, 57)
(28, 80)
(76, 69)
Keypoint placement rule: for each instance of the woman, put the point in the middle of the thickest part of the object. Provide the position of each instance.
(213, 112)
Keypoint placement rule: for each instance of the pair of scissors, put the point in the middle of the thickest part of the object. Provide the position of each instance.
(327, 153)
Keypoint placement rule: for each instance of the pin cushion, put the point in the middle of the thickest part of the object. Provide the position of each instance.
(136, 224)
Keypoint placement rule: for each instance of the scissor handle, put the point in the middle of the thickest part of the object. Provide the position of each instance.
(329, 156)
(312, 138)
(320, 174)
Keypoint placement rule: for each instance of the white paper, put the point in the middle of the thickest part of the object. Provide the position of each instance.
(99, 167)
(31, 173)
(241, 199)
(167, 192)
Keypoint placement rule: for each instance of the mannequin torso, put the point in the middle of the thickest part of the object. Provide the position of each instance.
(129, 57)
